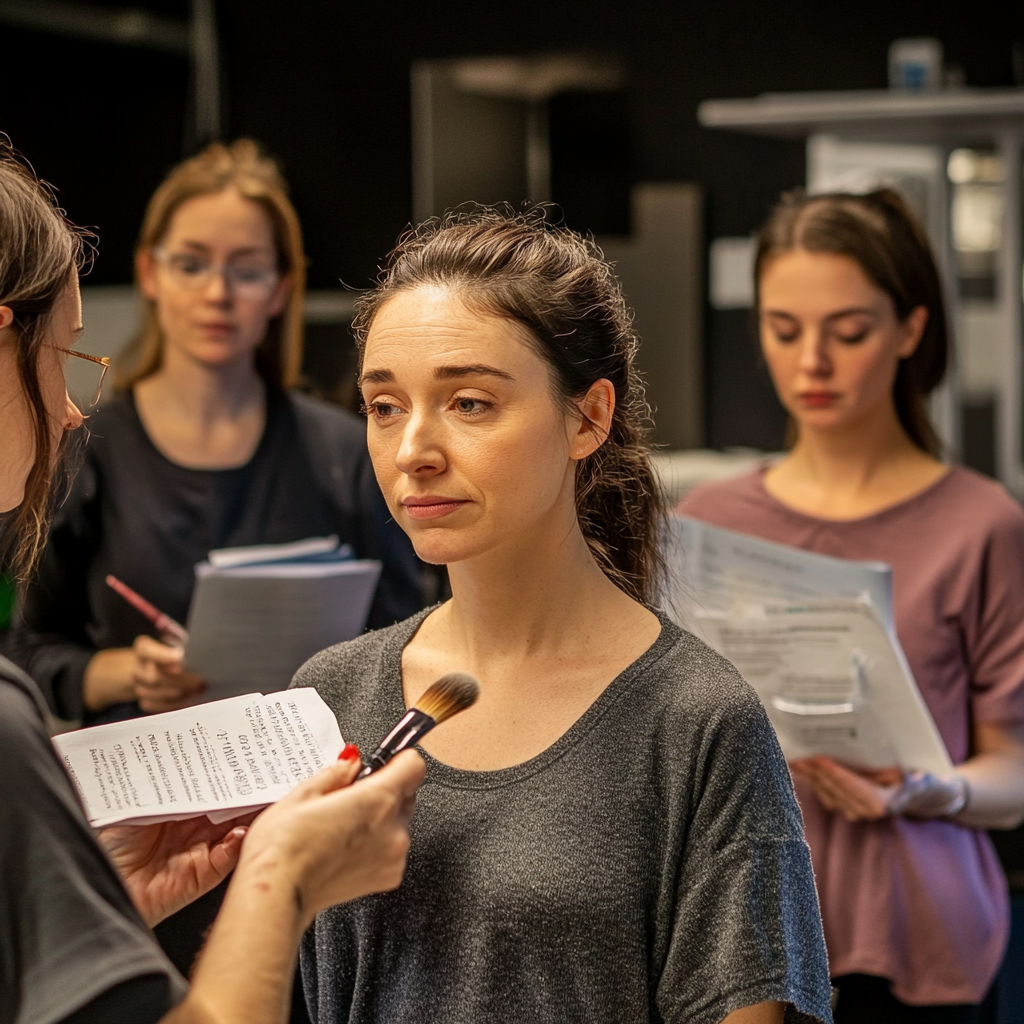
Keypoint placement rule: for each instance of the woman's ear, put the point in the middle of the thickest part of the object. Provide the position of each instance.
(596, 409)
(913, 331)
(280, 297)
(6, 317)
(145, 272)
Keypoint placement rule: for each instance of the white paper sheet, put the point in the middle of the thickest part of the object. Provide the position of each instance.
(716, 570)
(220, 759)
(832, 683)
(815, 638)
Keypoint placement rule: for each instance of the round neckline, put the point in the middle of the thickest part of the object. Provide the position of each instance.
(271, 399)
(894, 509)
(466, 778)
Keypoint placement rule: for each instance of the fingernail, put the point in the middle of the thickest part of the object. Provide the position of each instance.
(349, 753)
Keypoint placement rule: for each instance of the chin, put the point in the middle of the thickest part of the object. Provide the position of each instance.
(444, 547)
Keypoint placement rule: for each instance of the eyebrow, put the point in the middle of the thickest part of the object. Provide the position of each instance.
(441, 373)
(852, 311)
(245, 250)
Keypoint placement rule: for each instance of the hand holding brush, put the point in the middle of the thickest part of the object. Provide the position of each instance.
(451, 694)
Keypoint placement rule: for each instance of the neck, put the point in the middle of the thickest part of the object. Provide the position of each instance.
(529, 598)
(204, 393)
(853, 458)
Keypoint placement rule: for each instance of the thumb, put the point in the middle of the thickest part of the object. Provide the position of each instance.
(224, 855)
(335, 776)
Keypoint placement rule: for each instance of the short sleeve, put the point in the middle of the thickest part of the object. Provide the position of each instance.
(994, 623)
(747, 928)
(68, 929)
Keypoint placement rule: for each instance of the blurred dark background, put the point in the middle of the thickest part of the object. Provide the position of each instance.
(325, 86)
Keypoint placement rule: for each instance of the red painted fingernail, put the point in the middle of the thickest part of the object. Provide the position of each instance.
(350, 752)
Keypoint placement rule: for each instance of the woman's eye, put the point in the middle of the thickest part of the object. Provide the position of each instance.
(852, 339)
(786, 335)
(470, 406)
(380, 410)
(190, 266)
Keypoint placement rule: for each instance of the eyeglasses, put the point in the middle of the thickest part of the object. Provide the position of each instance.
(247, 280)
(85, 382)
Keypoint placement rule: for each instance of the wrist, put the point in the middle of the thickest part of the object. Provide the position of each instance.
(273, 878)
(109, 678)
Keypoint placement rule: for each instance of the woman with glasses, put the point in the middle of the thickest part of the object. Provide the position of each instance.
(202, 446)
(75, 939)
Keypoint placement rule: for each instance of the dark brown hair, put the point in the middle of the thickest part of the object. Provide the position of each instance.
(558, 285)
(879, 232)
(244, 167)
(40, 251)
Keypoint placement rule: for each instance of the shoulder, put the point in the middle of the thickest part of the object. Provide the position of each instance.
(692, 683)
(724, 499)
(343, 666)
(708, 722)
(977, 502)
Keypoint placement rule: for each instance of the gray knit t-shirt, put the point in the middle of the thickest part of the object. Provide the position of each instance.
(649, 866)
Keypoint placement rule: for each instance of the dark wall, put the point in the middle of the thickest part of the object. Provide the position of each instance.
(325, 86)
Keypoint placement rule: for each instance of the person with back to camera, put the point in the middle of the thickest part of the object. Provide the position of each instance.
(610, 833)
(854, 335)
(202, 447)
(74, 945)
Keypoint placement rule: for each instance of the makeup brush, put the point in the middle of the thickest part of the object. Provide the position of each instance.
(451, 694)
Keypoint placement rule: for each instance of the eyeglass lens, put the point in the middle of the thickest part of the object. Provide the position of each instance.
(84, 379)
(248, 279)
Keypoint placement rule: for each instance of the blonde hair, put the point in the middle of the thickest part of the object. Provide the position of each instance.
(241, 166)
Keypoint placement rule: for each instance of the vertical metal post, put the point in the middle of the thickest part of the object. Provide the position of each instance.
(1010, 443)
(422, 84)
(205, 71)
(538, 152)
(946, 400)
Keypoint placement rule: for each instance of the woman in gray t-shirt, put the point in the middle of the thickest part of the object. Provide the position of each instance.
(610, 833)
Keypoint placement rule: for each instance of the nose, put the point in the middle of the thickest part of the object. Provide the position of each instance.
(73, 417)
(421, 451)
(217, 289)
(813, 358)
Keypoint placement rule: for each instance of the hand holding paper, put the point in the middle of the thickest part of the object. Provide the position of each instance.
(168, 865)
(220, 759)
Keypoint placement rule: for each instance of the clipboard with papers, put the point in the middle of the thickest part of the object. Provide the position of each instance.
(258, 613)
(814, 636)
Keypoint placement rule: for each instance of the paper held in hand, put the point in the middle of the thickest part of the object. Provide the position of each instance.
(814, 636)
(221, 759)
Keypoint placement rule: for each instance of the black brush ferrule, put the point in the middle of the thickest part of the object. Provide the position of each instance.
(411, 728)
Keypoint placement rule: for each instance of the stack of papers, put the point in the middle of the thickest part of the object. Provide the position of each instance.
(221, 759)
(815, 637)
(258, 613)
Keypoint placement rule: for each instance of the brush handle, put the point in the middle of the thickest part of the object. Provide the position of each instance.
(412, 727)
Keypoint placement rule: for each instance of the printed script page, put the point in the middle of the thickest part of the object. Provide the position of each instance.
(220, 759)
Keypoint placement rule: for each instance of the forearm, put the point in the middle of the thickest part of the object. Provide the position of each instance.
(245, 972)
(995, 782)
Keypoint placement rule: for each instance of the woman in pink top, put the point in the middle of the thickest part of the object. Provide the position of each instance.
(853, 332)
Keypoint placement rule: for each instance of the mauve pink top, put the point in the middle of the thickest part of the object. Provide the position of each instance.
(923, 903)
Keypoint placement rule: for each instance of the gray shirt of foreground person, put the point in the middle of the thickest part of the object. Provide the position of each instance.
(649, 866)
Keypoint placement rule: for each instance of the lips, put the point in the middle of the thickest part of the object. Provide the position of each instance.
(431, 506)
(818, 399)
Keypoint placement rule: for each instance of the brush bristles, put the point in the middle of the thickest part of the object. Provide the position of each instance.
(451, 694)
